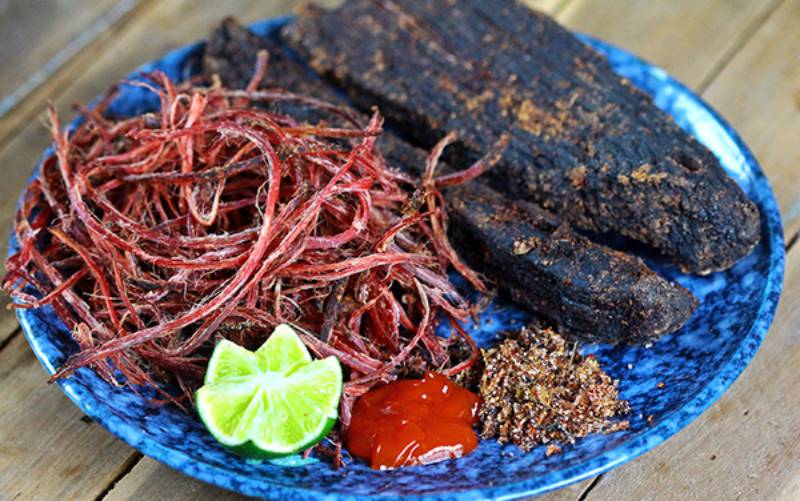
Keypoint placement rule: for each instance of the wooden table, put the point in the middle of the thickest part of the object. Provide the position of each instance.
(743, 56)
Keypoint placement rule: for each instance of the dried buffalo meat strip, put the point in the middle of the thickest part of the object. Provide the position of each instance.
(231, 53)
(590, 291)
(584, 142)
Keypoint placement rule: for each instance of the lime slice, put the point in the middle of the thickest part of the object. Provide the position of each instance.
(272, 402)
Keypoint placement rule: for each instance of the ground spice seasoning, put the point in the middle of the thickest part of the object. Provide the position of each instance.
(537, 389)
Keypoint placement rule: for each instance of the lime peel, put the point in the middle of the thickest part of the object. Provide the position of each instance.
(270, 403)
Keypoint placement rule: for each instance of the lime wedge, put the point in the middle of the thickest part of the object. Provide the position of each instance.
(272, 402)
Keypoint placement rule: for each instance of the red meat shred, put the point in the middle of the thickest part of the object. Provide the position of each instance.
(154, 236)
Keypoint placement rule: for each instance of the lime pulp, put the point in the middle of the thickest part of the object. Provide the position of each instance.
(270, 403)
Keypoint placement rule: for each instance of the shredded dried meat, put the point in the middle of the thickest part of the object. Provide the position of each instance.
(153, 236)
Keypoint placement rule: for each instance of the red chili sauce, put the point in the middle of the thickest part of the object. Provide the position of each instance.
(413, 421)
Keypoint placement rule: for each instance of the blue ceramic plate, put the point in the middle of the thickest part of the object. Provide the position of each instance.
(696, 364)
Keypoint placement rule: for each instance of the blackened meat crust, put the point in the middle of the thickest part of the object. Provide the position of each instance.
(585, 143)
(589, 291)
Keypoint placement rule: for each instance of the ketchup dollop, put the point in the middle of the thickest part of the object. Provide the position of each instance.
(413, 421)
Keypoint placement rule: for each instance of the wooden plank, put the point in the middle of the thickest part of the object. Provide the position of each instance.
(152, 480)
(759, 93)
(687, 38)
(47, 450)
(37, 46)
(790, 491)
(552, 7)
(8, 320)
(746, 445)
(44, 47)
(665, 32)
(36, 34)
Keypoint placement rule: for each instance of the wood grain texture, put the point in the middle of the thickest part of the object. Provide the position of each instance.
(746, 445)
(791, 490)
(8, 321)
(759, 93)
(46, 451)
(34, 34)
(152, 480)
(59, 44)
(550, 6)
(686, 37)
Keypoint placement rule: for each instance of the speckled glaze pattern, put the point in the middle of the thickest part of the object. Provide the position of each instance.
(696, 364)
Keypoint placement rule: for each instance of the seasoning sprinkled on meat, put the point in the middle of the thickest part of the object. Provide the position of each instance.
(584, 142)
(537, 389)
(589, 292)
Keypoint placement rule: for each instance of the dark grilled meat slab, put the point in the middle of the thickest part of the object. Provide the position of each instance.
(592, 292)
(231, 54)
(585, 143)
(589, 291)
